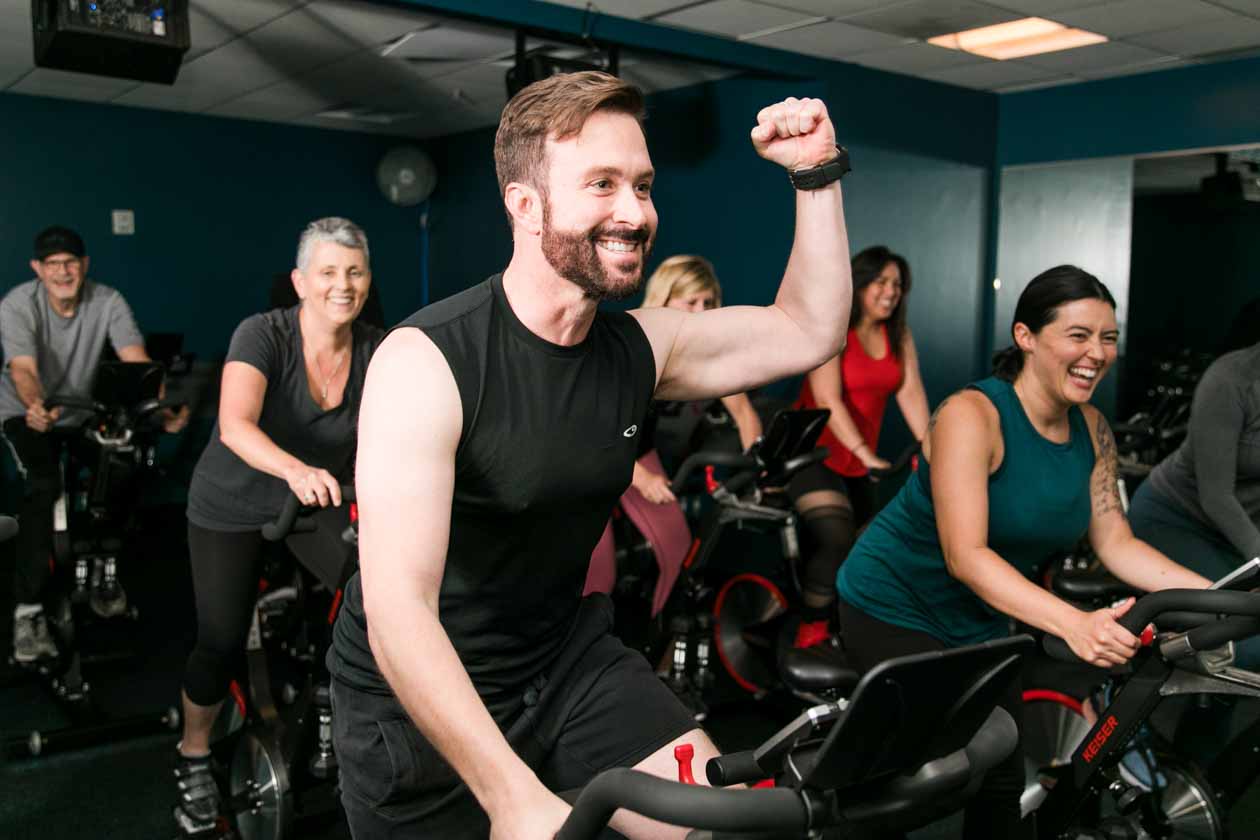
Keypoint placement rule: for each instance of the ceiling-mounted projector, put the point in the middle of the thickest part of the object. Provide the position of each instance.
(144, 40)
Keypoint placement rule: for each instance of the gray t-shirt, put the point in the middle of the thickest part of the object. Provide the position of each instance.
(1215, 474)
(66, 350)
(228, 494)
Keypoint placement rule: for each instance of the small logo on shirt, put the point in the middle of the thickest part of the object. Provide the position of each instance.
(630, 432)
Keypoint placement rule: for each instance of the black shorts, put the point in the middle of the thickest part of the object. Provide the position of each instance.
(600, 705)
(858, 489)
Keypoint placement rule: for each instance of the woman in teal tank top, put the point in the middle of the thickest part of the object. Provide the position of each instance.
(1016, 467)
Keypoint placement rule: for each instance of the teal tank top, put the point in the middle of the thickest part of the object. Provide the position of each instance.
(1039, 504)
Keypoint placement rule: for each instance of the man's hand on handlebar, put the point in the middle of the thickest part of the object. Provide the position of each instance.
(174, 420)
(39, 418)
(534, 818)
(1098, 639)
(314, 486)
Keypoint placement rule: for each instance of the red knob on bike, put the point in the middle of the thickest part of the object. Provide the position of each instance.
(683, 753)
(1147, 635)
(354, 512)
(710, 483)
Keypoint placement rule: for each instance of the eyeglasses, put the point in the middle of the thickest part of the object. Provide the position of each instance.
(67, 264)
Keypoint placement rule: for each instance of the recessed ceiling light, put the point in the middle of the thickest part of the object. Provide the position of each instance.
(1018, 38)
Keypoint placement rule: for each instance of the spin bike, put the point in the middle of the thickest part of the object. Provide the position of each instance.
(275, 735)
(910, 746)
(749, 611)
(1085, 794)
(110, 448)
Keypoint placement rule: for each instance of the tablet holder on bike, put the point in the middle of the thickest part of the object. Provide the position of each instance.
(915, 739)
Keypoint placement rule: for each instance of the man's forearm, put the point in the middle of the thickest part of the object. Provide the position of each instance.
(440, 698)
(29, 389)
(817, 289)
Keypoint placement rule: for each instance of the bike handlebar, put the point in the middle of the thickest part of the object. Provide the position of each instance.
(286, 523)
(711, 458)
(780, 809)
(1241, 611)
(897, 465)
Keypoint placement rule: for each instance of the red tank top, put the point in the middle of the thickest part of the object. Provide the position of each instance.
(866, 385)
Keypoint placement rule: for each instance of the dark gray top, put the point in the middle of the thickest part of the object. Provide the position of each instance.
(1215, 474)
(227, 494)
(66, 350)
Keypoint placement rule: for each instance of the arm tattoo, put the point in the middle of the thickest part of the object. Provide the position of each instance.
(936, 415)
(1106, 489)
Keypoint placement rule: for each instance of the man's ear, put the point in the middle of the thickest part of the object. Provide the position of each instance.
(84, 262)
(525, 205)
(299, 284)
(36, 265)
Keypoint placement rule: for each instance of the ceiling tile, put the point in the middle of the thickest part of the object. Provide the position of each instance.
(15, 21)
(1246, 7)
(994, 74)
(1203, 39)
(928, 18)
(364, 23)
(1044, 8)
(367, 79)
(829, 8)
(656, 74)
(733, 18)
(831, 39)
(1110, 54)
(299, 41)
(212, 23)
(61, 83)
(1131, 17)
(279, 102)
(637, 9)
(454, 41)
(915, 58)
(1165, 63)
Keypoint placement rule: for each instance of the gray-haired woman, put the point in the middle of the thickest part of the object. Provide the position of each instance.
(288, 411)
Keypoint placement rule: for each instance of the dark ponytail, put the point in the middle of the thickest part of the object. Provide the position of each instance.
(1039, 305)
(1008, 363)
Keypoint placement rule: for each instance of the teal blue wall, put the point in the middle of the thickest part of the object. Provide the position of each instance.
(219, 205)
(1185, 108)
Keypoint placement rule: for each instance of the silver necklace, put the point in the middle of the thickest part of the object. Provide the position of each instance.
(323, 395)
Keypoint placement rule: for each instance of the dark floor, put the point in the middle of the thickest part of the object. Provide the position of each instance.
(123, 789)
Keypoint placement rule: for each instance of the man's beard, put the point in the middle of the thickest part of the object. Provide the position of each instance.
(574, 256)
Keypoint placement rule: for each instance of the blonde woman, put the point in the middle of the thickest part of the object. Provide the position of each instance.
(688, 283)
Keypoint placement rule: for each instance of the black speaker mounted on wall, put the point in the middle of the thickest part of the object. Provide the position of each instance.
(143, 40)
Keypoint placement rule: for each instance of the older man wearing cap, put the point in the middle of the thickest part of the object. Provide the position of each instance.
(53, 329)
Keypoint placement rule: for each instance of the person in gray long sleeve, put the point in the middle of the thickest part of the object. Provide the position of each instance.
(1201, 505)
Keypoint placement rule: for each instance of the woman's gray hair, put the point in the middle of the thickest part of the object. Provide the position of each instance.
(331, 229)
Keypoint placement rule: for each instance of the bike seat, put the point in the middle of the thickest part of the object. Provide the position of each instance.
(1091, 587)
(817, 668)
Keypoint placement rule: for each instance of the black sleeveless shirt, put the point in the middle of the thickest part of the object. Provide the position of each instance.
(548, 444)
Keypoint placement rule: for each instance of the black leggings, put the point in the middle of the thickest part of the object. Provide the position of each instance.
(994, 811)
(830, 530)
(225, 571)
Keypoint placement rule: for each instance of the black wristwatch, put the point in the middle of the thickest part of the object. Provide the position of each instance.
(816, 177)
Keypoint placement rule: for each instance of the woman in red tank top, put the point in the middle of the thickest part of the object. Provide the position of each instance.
(834, 498)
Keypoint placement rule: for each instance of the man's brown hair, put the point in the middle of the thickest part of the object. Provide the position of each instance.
(555, 107)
